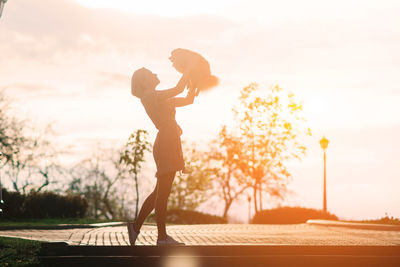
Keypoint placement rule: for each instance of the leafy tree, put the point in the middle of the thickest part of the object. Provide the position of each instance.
(133, 157)
(190, 190)
(225, 158)
(269, 124)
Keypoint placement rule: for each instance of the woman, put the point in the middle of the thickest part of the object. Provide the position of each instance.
(167, 151)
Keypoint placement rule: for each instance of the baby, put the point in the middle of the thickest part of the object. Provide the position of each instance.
(200, 74)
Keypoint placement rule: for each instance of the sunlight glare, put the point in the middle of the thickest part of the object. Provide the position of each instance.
(180, 260)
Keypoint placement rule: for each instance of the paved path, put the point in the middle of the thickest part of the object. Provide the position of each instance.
(218, 234)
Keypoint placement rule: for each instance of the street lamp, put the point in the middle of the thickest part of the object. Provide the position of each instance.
(2, 3)
(1, 191)
(1, 187)
(1, 194)
(324, 144)
(1, 199)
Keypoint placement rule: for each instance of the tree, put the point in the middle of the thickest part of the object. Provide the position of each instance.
(99, 179)
(36, 165)
(27, 155)
(225, 157)
(11, 137)
(133, 157)
(269, 124)
(11, 134)
(190, 190)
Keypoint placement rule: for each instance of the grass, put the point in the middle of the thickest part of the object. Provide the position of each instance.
(49, 221)
(18, 252)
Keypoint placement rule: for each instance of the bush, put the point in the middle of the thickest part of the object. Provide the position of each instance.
(78, 207)
(290, 215)
(13, 204)
(43, 205)
(178, 216)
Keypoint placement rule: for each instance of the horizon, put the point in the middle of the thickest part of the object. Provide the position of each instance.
(340, 59)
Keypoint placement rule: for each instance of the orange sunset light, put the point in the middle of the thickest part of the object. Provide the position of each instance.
(289, 73)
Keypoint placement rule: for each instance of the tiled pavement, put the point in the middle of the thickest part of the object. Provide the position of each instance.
(231, 234)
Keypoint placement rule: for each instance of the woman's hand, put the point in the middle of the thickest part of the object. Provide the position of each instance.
(179, 88)
(188, 100)
(192, 90)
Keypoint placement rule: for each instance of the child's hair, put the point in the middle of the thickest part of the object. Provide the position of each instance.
(138, 82)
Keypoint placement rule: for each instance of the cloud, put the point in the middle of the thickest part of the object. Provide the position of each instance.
(28, 88)
(111, 79)
(334, 48)
(67, 45)
(45, 28)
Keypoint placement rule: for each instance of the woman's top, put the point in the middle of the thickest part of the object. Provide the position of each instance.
(161, 112)
(167, 149)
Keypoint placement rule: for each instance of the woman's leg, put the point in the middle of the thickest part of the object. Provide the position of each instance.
(145, 210)
(164, 184)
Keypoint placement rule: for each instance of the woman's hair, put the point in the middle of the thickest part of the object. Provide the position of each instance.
(139, 82)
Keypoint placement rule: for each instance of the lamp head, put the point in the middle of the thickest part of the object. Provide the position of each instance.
(324, 143)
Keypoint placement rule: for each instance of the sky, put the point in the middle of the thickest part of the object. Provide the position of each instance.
(69, 63)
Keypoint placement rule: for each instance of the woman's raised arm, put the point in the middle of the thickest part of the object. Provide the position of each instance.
(168, 93)
(184, 101)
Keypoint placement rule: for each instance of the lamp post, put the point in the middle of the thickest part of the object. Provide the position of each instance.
(1, 187)
(324, 144)
(2, 3)
(1, 199)
(1, 193)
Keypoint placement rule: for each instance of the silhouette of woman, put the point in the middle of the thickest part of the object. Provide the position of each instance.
(167, 150)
